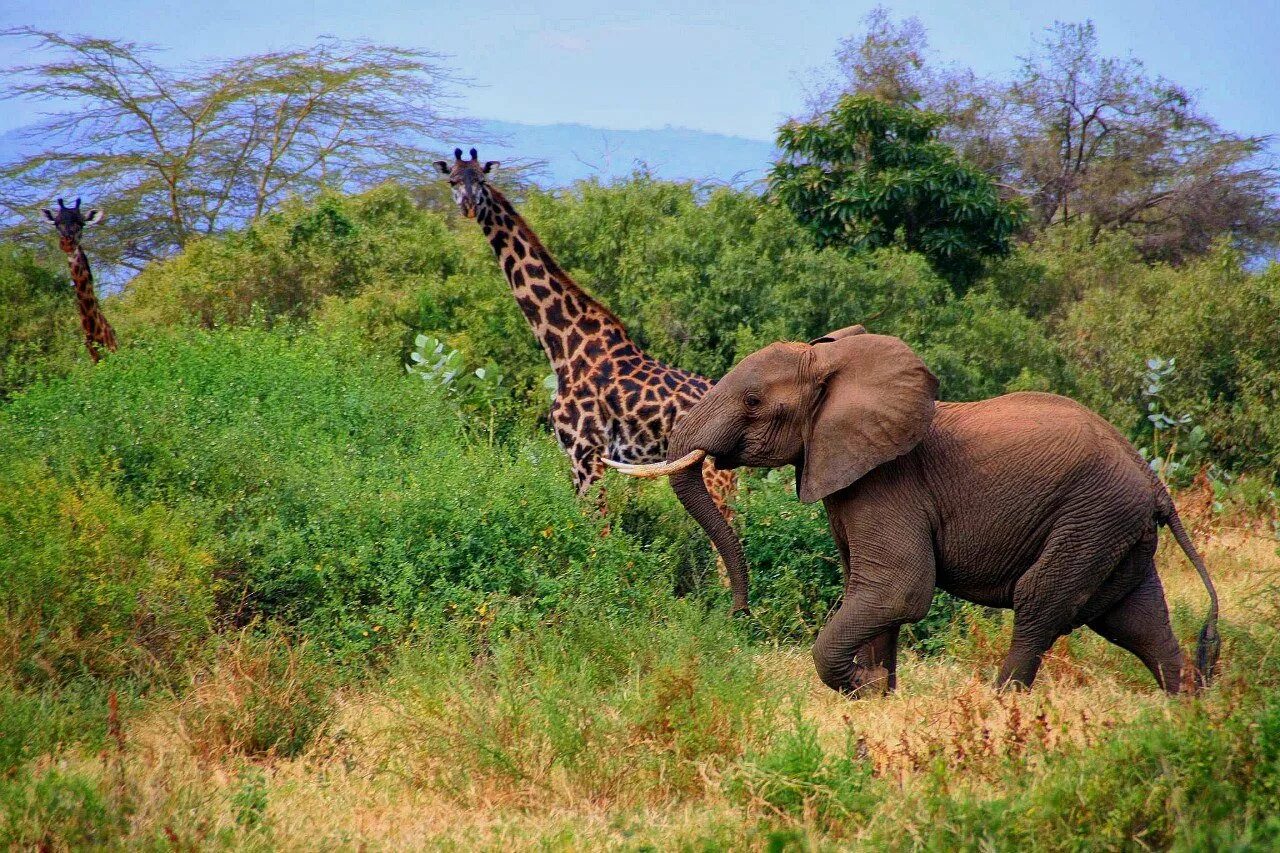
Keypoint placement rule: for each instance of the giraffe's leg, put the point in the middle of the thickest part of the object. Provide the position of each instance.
(723, 486)
(581, 439)
(92, 347)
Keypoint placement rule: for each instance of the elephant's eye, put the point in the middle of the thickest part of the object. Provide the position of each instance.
(752, 400)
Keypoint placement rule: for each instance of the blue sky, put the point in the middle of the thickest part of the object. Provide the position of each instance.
(734, 68)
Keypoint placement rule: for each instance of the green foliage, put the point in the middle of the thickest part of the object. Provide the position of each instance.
(1225, 350)
(56, 810)
(868, 174)
(289, 263)
(798, 778)
(38, 722)
(330, 493)
(39, 327)
(96, 584)
(480, 397)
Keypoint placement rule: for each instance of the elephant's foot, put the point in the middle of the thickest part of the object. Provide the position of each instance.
(870, 682)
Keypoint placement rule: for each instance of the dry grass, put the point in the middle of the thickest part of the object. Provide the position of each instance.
(367, 783)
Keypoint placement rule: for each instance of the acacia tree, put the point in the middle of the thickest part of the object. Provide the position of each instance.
(868, 174)
(175, 153)
(1099, 140)
(1084, 137)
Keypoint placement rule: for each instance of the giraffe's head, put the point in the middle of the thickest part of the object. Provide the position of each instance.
(467, 177)
(69, 222)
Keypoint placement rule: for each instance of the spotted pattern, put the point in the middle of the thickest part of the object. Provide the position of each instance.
(613, 399)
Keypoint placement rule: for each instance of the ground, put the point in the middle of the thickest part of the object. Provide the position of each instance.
(405, 766)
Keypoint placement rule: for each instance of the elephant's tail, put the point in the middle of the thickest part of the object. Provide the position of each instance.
(1209, 644)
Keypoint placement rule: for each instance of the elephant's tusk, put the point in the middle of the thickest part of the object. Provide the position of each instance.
(658, 469)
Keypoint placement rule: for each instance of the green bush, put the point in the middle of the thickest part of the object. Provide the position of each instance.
(39, 721)
(40, 335)
(95, 583)
(288, 263)
(56, 810)
(1226, 351)
(797, 778)
(336, 495)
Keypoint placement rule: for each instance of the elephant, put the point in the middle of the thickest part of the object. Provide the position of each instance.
(1027, 501)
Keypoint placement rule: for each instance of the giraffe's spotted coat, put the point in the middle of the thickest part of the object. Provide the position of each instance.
(614, 400)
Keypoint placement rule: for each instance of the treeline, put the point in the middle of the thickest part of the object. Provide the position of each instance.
(704, 278)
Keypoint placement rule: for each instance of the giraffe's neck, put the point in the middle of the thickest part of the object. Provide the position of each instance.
(564, 318)
(82, 278)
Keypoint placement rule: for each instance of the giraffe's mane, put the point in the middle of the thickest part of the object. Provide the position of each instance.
(549, 261)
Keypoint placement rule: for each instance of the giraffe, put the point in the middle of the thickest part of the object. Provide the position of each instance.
(69, 223)
(613, 398)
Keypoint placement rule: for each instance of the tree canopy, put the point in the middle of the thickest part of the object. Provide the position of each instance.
(1082, 136)
(176, 153)
(868, 173)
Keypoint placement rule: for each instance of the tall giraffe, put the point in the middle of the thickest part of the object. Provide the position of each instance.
(69, 223)
(613, 398)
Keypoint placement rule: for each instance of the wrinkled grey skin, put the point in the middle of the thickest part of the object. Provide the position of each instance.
(1026, 501)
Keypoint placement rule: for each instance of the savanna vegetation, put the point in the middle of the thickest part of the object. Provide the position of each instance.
(300, 566)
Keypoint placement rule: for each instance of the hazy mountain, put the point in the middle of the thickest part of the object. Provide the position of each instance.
(575, 151)
(571, 152)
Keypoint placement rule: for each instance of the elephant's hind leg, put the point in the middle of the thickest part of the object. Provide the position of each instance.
(1140, 623)
(1052, 597)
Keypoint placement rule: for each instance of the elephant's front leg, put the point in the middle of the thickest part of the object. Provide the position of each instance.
(890, 583)
(875, 670)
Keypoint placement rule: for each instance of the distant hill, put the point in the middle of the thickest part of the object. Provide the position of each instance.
(572, 152)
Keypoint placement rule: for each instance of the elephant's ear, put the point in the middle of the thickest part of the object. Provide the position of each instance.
(873, 401)
(839, 334)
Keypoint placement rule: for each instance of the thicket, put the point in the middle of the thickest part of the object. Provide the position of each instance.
(703, 277)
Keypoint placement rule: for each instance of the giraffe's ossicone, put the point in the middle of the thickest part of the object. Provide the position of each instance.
(614, 400)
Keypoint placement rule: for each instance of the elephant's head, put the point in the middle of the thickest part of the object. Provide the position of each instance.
(835, 408)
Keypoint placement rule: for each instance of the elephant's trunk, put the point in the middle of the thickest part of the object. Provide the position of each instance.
(691, 489)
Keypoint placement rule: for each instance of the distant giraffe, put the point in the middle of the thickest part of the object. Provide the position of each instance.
(69, 222)
(613, 398)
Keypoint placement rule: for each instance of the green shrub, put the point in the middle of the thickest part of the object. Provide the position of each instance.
(796, 777)
(1226, 351)
(95, 583)
(40, 335)
(56, 810)
(37, 722)
(287, 263)
(336, 495)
